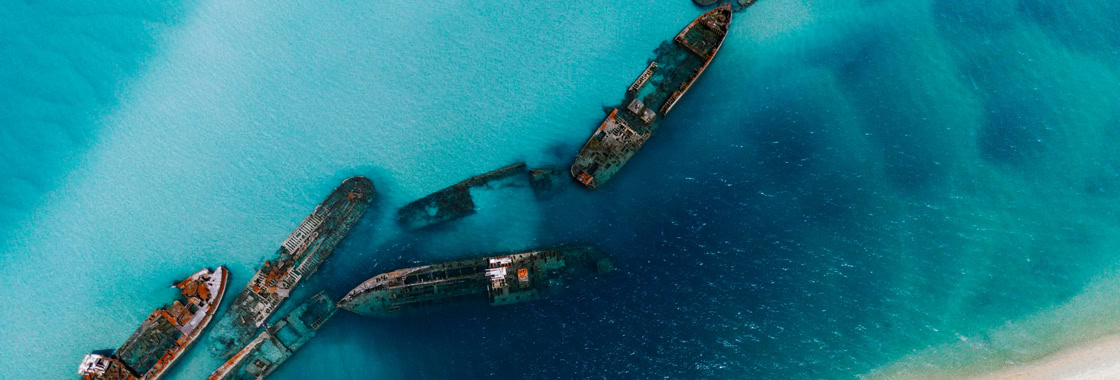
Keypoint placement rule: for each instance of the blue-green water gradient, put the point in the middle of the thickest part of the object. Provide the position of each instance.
(879, 187)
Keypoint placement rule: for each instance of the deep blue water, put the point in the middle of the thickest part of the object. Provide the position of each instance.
(898, 188)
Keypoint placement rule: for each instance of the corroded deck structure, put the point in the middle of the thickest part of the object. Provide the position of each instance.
(165, 335)
(651, 97)
(278, 342)
(455, 201)
(737, 5)
(299, 256)
(502, 280)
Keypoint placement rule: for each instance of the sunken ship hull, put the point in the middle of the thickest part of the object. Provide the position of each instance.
(501, 280)
(455, 201)
(278, 342)
(165, 335)
(299, 256)
(651, 97)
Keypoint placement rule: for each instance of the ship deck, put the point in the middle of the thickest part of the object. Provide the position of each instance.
(675, 67)
(454, 201)
(277, 343)
(300, 255)
(501, 279)
(155, 337)
(651, 97)
(168, 332)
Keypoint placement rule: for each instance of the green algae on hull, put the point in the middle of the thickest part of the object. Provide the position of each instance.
(278, 342)
(500, 279)
(651, 97)
(299, 256)
(453, 202)
(165, 335)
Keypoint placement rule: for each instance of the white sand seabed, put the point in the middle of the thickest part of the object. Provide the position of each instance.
(1079, 339)
(1096, 359)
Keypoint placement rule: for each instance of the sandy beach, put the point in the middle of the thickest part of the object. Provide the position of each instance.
(1075, 340)
(1097, 359)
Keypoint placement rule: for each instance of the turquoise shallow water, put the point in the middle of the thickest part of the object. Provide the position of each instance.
(877, 187)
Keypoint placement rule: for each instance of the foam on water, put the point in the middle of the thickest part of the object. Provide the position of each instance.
(851, 185)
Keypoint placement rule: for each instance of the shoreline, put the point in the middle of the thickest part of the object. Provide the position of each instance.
(1094, 359)
(1077, 339)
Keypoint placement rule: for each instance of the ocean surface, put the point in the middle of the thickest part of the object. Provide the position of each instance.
(899, 188)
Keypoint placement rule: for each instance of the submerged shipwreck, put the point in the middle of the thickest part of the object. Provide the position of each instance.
(545, 180)
(165, 335)
(278, 342)
(651, 97)
(253, 353)
(456, 201)
(299, 256)
(737, 5)
(501, 280)
(508, 278)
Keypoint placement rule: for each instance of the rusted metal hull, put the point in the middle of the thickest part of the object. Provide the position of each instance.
(278, 342)
(501, 279)
(299, 256)
(453, 202)
(651, 97)
(165, 335)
